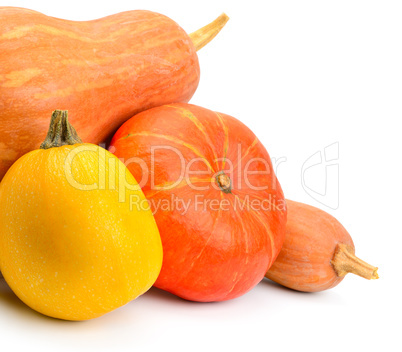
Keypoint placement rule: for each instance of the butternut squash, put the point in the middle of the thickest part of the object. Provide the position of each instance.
(103, 71)
(317, 253)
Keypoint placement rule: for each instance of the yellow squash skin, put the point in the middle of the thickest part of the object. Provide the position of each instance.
(70, 251)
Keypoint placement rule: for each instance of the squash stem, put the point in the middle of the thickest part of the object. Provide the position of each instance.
(204, 35)
(345, 261)
(60, 131)
(224, 182)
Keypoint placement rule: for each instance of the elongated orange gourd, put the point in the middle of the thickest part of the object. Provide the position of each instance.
(103, 71)
(317, 253)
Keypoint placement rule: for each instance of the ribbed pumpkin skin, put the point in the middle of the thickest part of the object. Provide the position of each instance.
(102, 71)
(213, 253)
(304, 263)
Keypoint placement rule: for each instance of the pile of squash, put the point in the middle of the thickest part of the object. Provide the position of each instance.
(184, 198)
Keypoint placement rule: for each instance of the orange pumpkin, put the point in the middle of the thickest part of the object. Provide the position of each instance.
(317, 253)
(217, 203)
(103, 71)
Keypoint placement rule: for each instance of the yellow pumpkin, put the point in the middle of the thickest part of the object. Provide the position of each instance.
(70, 245)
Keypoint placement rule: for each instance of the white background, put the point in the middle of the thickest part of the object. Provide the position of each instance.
(303, 75)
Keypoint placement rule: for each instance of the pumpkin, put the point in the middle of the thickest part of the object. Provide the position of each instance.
(70, 246)
(317, 253)
(103, 71)
(216, 200)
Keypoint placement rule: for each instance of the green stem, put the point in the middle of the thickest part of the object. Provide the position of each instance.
(60, 131)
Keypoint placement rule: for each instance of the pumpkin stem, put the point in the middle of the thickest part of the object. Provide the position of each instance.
(345, 261)
(224, 182)
(205, 34)
(60, 131)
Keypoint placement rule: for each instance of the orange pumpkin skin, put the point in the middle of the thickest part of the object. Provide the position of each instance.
(103, 71)
(312, 236)
(211, 252)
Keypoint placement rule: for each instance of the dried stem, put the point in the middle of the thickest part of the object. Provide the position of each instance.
(224, 182)
(60, 131)
(345, 261)
(205, 34)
